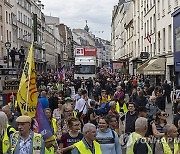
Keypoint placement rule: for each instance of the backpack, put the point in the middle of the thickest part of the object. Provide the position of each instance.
(103, 109)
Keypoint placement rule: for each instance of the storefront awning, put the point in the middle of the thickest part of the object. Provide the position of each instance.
(141, 67)
(155, 67)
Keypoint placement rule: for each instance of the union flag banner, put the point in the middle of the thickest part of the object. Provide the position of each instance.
(27, 94)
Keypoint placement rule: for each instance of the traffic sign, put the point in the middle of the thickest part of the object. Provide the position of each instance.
(8, 45)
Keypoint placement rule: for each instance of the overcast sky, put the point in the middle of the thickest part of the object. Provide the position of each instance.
(73, 13)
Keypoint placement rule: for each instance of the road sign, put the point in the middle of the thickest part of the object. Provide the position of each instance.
(8, 45)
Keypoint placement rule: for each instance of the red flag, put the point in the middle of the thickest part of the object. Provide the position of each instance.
(148, 38)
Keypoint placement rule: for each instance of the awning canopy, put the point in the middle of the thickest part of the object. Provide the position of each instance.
(141, 67)
(155, 67)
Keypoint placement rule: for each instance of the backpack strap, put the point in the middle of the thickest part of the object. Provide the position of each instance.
(113, 133)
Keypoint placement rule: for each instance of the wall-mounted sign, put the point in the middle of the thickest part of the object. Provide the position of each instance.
(10, 86)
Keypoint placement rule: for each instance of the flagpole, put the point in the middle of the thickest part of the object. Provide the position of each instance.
(27, 97)
(28, 94)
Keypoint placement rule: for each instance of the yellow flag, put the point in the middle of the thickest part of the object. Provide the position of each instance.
(27, 94)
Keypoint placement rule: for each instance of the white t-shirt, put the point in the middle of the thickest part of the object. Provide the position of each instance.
(80, 104)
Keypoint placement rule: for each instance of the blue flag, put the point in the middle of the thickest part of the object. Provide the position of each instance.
(41, 123)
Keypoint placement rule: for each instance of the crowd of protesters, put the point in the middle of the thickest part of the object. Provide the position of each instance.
(109, 114)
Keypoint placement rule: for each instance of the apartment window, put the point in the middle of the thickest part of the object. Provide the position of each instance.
(164, 39)
(151, 3)
(151, 25)
(142, 42)
(135, 8)
(0, 10)
(169, 6)
(10, 36)
(154, 22)
(25, 4)
(7, 33)
(163, 8)
(21, 16)
(150, 50)
(141, 3)
(1, 36)
(6, 17)
(147, 5)
(169, 37)
(138, 5)
(141, 20)
(159, 41)
(135, 27)
(147, 26)
(24, 18)
(145, 29)
(158, 10)
(176, 3)
(138, 46)
(9, 18)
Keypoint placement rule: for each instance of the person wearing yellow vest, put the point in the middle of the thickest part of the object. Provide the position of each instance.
(137, 142)
(169, 143)
(25, 140)
(104, 97)
(5, 131)
(51, 146)
(53, 121)
(87, 145)
(121, 106)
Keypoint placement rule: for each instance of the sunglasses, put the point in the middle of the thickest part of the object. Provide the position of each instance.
(165, 114)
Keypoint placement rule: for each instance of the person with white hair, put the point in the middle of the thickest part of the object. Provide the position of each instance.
(152, 107)
(87, 145)
(137, 143)
(11, 117)
(169, 143)
(5, 131)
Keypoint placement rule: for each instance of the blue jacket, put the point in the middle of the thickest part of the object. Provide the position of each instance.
(44, 102)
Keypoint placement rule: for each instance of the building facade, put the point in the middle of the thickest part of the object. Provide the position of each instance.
(142, 33)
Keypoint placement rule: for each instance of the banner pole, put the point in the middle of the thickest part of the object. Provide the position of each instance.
(27, 95)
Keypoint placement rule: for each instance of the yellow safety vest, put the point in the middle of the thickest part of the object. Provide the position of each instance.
(75, 114)
(5, 141)
(50, 151)
(54, 125)
(84, 150)
(104, 100)
(36, 142)
(167, 149)
(118, 108)
(132, 140)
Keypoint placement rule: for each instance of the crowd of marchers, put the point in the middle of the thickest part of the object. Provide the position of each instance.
(109, 114)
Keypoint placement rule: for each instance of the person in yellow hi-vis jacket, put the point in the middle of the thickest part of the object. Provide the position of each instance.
(25, 140)
(87, 145)
(53, 121)
(137, 142)
(5, 131)
(168, 144)
(121, 106)
(104, 97)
